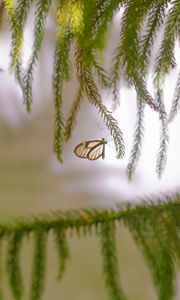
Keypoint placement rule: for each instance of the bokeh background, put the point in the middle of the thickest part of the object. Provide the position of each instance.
(32, 181)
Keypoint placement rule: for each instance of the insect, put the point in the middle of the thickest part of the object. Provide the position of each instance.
(91, 150)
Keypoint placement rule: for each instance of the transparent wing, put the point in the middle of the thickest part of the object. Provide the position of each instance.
(83, 149)
(96, 152)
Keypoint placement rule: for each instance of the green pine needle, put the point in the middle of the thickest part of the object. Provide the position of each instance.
(39, 262)
(110, 262)
(175, 101)
(164, 138)
(138, 136)
(61, 71)
(165, 59)
(149, 233)
(62, 250)
(71, 120)
(13, 264)
(42, 9)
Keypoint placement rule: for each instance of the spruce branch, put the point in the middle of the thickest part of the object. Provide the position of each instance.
(13, 264)
(148, 231)
(164, 138)
(132, 18)
(61, 73)
(42, 9)
(18, 20)
(175, 101)
(127, 53)
(155, 20)
(62, 250)
(170, 231)
(142, 92)
(38, 271)
(155, 227)
(110, 262)
(115, 75)
(71, 120)
(102, 74)
(138, 136)
(165, 59)
(91, 217)
(103, 13)
(89, 87)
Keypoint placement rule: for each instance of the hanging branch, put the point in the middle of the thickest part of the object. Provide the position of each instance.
(71, 120)
(116, 71)
(101, 73)
(138, 136)
(165, 59)
(155, 20)
(38, 271)
(42, 9)
(61, 73)
(12, 264)
(89, 87)
(175, 101)
(127, 54)
(18, 19)
(149, 233)
(164, 138)
(62, 250)
(110, 263)
(103, 13)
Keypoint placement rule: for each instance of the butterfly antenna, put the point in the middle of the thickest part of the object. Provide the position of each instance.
(100, 130)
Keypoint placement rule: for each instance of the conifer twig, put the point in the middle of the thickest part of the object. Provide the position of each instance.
(89, 87)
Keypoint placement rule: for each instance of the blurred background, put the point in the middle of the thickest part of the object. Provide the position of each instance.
(32, 181)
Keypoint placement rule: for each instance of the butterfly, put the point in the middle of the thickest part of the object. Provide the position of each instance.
(91, 150)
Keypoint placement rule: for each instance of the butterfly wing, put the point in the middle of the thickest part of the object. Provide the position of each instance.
(91, 150)
(96, 152)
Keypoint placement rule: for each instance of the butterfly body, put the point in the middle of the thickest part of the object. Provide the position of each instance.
(91, 150)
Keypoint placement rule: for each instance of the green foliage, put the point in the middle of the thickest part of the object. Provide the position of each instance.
(162, 154)
(103, 14)
(165, 58)
(149, 230)
(86, 23)
(13, 268)
(175, 101)
(38, 271)
(41, 14)
(62, 249)
(155, 20)
(155, 228)
(73, 114)
(61, 71)
(110, 263)
(138, 135)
